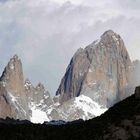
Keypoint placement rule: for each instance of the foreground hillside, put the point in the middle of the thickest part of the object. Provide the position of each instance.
(121, 122)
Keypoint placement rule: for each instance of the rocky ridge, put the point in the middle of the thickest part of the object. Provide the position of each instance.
(19, 99)
(97, 77)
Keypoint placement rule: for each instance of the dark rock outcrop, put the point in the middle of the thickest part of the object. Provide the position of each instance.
(137, 92)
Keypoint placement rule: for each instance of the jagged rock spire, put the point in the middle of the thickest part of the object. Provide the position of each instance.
(40, 86)
(12, 94)
(18, 97)
(13, 76)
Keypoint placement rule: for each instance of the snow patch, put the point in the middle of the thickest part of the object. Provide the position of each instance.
(4, 84)
(92, 83)
(49, 111)
(27, 84)
(89, 106)
(56, 104)
(16, 103)
(46, 96)
(13, 98)
(115, 38)
(38, 116)
(96, 41)
(89, 70)
(11, 66)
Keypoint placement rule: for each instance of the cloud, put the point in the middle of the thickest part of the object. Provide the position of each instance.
(130, 4)
(45, 34)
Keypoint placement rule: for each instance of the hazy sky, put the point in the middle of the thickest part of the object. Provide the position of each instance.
(46, 33)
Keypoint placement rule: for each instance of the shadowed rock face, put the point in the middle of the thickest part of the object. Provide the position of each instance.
(100, 71)
(137, 92)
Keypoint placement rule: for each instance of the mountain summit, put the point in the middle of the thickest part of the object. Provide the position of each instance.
(100, 71)
(12, 76)
(19, 99)
(12, 93)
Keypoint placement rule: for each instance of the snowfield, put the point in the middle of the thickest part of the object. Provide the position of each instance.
(89, 106)
(88, 109)
(38, 116)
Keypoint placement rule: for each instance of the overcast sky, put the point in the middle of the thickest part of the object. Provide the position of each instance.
(46, 33)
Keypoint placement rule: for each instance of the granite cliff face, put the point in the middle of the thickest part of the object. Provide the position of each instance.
(19, 99)
(12, 93)
(12, 77)
(100, 71)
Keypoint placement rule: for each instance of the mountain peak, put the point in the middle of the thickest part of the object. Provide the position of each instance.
(13, 62)
(13, 75)
(28, 84)
(95, 69)
(109, 33)
(40, 86)
(27, 80)
(15, 56)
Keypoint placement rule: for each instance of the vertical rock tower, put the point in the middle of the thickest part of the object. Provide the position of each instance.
(12, 76)
(100, 71)
(12, 94)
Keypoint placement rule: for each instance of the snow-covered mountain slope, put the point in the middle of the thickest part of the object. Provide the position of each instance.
(82, 107)
(89, 106)
(39, 101)
(38, 115)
